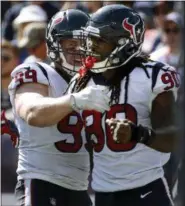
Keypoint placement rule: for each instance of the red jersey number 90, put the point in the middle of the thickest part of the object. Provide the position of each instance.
(171, 79)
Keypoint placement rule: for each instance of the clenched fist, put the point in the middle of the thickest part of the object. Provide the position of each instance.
(120, 129)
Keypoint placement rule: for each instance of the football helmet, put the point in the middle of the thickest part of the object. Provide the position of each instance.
(65, 25)
(120, 31)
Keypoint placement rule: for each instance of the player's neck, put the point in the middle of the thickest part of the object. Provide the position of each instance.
(109, 74)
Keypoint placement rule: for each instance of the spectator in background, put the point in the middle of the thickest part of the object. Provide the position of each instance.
(27, 15)
(85, 6)
(34, 41)
(49, 7)
(150, 34)
(9, 15)
(145, 10)
(170, 48)
(144, 7)
(8, 31)
(68, 5)
(73, 5)
(125, 3)
(160, 9)
(92, 6)
(9, 60)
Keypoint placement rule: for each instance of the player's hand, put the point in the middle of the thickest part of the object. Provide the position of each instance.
(120, 129)
(92, 98)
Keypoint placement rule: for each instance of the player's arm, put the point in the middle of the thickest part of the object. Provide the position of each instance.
(29, 94)
(163, 135)
(34, 106)
(163, 120)
(163, 111)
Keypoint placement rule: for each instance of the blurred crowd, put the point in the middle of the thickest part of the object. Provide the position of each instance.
(23, 40)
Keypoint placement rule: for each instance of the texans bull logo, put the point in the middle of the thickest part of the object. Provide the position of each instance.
(58, 20)
(131, 28)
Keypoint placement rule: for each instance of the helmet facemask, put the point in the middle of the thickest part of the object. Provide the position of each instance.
(67, 55)
(123, 49)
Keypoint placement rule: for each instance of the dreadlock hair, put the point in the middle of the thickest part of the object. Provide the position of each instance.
(115, 83)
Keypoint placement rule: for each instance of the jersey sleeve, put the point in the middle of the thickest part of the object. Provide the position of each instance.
(166, 79)
(27, 73)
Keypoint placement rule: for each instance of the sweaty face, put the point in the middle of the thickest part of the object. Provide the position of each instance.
(99, 48)
(71, 51)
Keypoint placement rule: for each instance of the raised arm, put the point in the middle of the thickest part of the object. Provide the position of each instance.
(29, 96)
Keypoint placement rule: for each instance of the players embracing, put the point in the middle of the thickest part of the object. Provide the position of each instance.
(121, 103)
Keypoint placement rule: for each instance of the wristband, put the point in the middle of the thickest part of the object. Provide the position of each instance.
(73, 103)
(142, 134)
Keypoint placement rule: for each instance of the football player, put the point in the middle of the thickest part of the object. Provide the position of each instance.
(53, 167)
(133, 140)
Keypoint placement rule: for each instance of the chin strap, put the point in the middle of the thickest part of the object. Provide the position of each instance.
(8, 127)
(88, 63)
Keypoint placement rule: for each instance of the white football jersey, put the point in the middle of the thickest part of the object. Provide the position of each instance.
(53, 153)
(126, 166)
